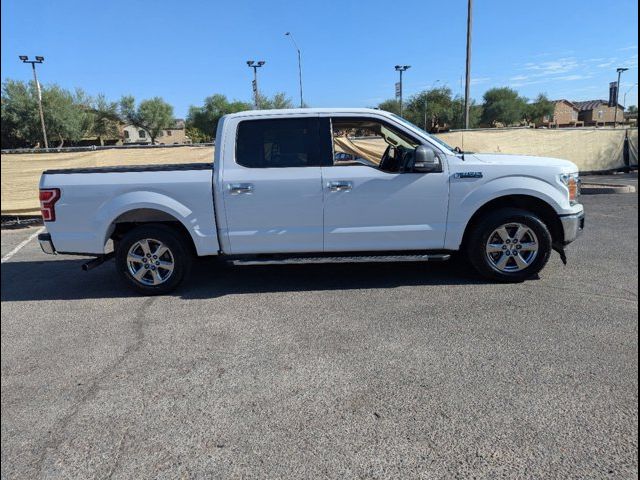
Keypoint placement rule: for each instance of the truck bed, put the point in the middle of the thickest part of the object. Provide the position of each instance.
(93, 200)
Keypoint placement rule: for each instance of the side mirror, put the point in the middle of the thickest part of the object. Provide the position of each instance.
(426, 161)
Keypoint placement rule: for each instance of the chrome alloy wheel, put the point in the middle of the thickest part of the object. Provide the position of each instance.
(150, 262)
(512, 247)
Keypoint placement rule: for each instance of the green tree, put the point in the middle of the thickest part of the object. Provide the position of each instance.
(20, 121)
(431, 108)
(503, 105)
(475, 113)
(153, 115)
(205, 119)
(65, 115)
(633, 109)
(104, 119)
(277, 102)
(434, 108)
(195, 135)
(390, 105)
(538, 109)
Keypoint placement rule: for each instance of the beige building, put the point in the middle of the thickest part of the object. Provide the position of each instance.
(171, 136)
(565, 114)
(135, 135)
(598, 112)
(174, 136)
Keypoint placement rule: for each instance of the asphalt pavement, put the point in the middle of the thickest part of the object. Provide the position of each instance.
(326, 371)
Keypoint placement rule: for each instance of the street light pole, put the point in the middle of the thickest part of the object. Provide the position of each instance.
(39, 59)
(290, 35)
(401, 68)
(256, 93)
(615, 112)
(467, 86)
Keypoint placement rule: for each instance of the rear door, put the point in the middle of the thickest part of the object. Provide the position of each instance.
(370, 202)
(273, 189)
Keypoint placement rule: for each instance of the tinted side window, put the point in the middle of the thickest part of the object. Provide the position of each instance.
(278, 143)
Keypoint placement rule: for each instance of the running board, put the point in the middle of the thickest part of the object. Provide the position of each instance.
(431, 257)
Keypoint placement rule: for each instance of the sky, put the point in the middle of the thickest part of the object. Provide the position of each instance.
(187, 50)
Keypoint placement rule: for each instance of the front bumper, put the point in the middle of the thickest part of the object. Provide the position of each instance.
(573, 225)
(46, 244)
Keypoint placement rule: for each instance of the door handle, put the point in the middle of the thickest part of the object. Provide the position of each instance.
(340, 186)
(238, 188)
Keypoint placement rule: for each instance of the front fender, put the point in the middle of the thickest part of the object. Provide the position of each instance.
(515, 185)
(466, 199)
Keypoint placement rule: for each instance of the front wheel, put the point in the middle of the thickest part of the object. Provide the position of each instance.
(152, 259)
(509, 245)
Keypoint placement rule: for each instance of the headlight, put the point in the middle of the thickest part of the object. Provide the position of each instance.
(572, 182)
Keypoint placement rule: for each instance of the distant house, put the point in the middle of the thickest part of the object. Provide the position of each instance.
(175, 135)
(171, 136)
(565, 114)
(598, 112)
(631, 118)
(135, 136)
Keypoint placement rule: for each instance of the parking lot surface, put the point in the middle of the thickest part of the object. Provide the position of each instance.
(326, 371)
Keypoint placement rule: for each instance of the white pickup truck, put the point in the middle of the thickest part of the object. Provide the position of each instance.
(316, 185)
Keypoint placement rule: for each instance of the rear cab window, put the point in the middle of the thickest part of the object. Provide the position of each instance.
(278, 143)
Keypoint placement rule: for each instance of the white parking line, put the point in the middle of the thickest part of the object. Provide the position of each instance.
(22, 244)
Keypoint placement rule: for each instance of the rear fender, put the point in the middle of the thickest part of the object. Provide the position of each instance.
(205, 242)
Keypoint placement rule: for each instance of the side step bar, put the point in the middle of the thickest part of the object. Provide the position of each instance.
(431, 257)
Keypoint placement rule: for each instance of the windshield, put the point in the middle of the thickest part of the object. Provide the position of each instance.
(431, 137)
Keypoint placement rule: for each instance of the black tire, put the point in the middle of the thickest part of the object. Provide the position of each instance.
(486, 263)
(179, 254)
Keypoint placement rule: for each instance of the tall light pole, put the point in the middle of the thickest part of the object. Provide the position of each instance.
(25, 59)
(401, 68)
(467, 86)
(290, 35)
(256, 93)
(615, 112)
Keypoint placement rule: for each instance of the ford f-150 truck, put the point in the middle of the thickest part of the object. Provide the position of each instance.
(316, 185)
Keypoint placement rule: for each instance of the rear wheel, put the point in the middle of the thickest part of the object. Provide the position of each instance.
(509, 245)
(153, 259)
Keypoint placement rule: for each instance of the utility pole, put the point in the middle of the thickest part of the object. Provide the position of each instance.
(615, 111)
(256, 93)
(25, 59)
(401, 68)
(467, 86)
(290, 35)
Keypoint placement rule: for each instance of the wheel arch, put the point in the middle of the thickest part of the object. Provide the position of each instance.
(136, 217)
(535, 205)
(139, 207)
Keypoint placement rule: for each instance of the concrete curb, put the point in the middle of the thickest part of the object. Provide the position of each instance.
(605, 188)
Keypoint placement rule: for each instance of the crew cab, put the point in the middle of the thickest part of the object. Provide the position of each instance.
(316, 185)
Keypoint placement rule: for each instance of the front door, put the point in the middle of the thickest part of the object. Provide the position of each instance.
(273, 190)
(370, 201)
